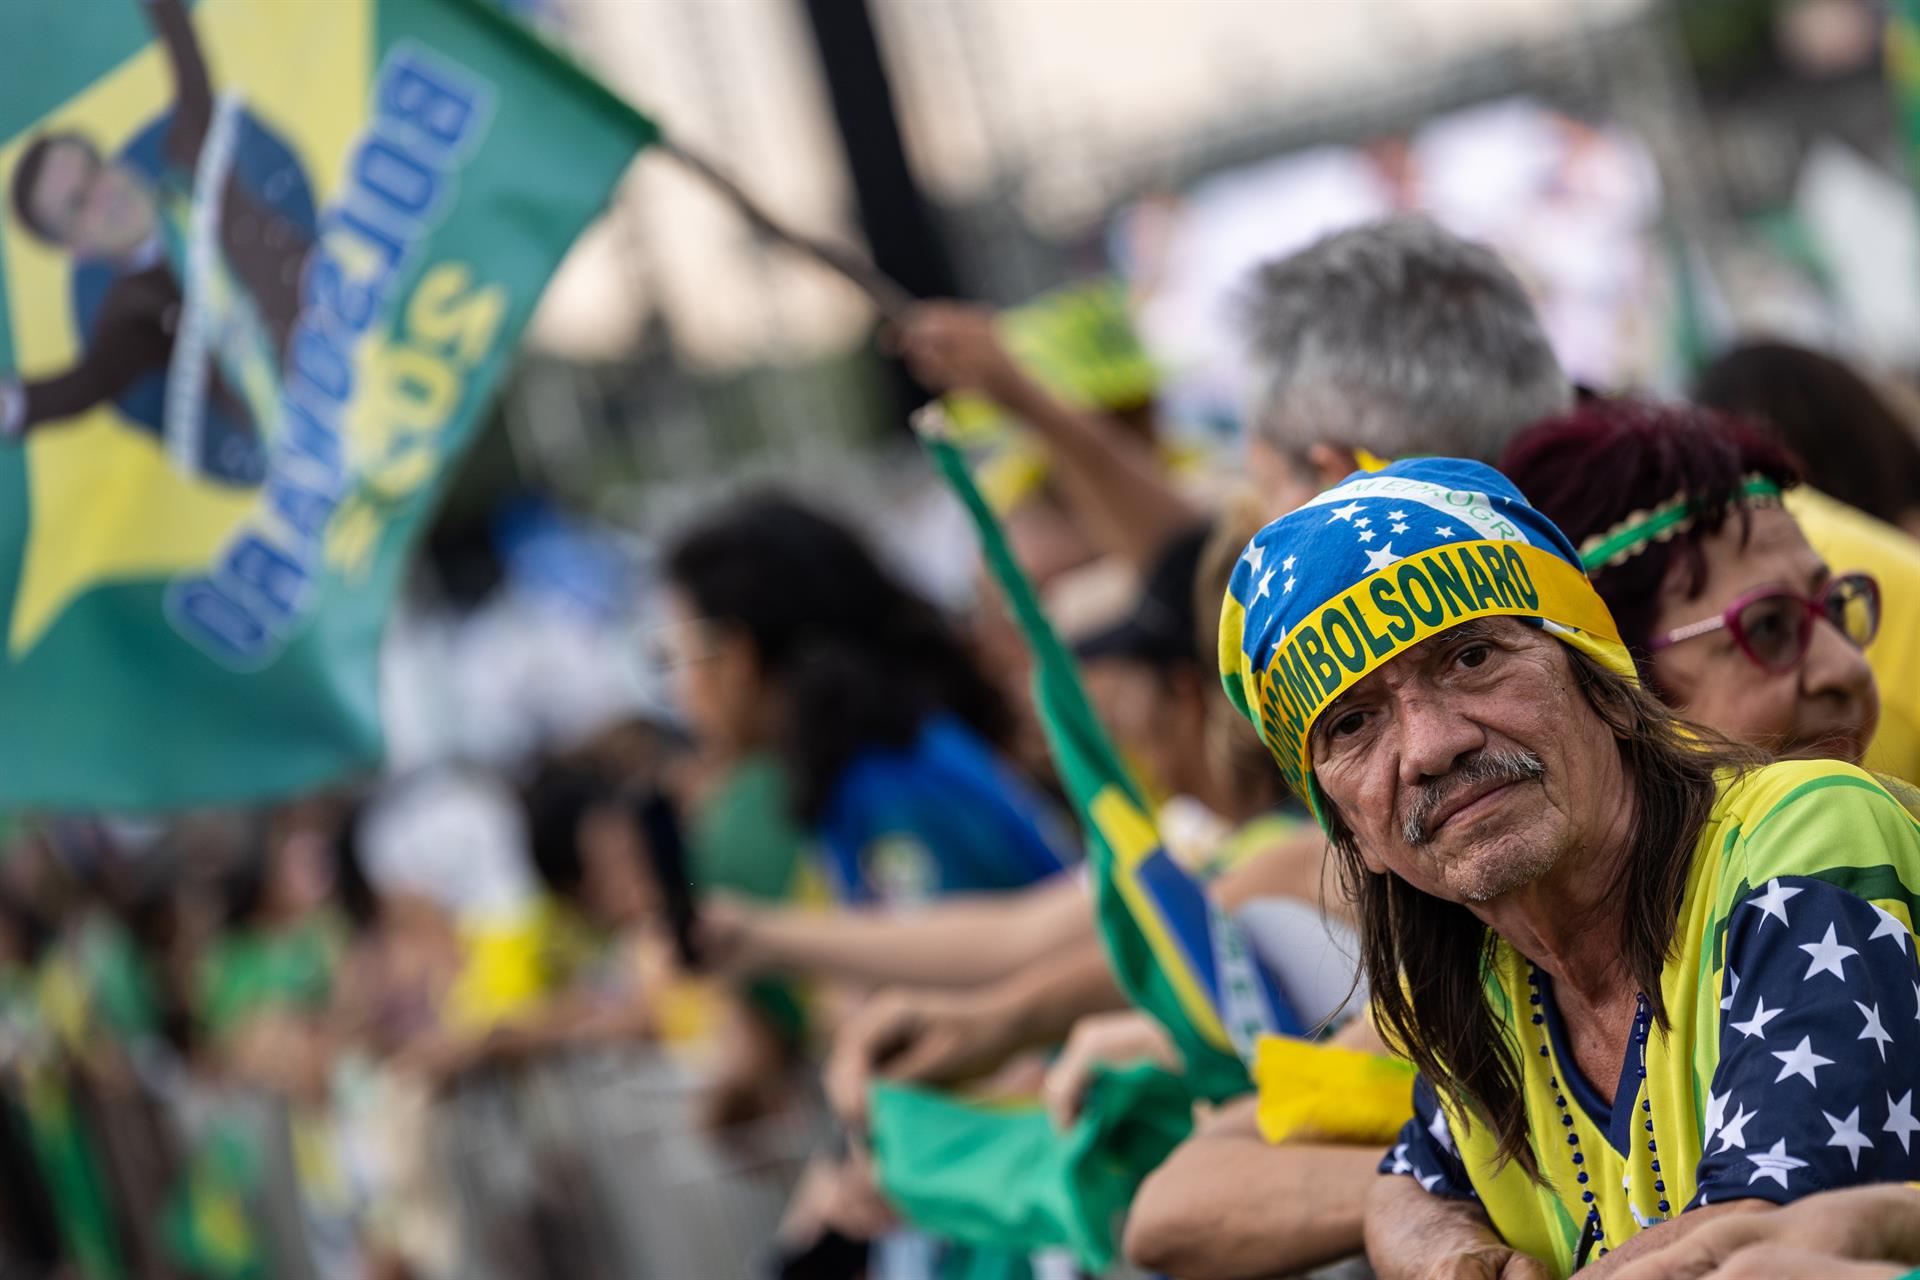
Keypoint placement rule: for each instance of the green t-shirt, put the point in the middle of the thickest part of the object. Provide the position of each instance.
(257, 969)
(744, 840)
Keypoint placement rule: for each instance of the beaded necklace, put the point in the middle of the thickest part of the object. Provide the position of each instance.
(1593, 1233)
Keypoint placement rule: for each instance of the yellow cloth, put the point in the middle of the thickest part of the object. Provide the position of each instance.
(503, 972)
(1323, 1092)
(1849, 539)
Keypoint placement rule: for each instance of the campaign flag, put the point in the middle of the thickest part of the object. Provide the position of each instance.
(1177, 955)
(1903, 76)
(261, 264)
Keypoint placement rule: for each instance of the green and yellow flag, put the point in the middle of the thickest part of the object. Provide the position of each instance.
(1176, 955)
(998, 1174)
(261, 264)
(1903, 76)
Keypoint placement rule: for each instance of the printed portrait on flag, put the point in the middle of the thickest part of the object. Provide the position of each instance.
(260, 264)
(153, 285)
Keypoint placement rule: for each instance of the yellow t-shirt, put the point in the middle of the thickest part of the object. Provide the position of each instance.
(1849, 539)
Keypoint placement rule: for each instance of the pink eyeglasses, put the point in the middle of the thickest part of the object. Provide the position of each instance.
(1774, 626)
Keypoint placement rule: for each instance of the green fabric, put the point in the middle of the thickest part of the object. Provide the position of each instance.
(207, 1222)
(1097, 783)
(70, 1168)
(160, 628)
(258, 969)
(744, 840)
(981, 1262)
(1903, 76)
(1000, 1175)
(119, 984)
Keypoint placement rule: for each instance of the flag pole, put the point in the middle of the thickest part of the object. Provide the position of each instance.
(892, 300)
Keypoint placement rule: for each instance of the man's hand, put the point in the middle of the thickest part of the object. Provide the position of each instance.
(724, 936)
(1766, 1262)
(953, 346)
(838, 1195)
(1414, 1235)
(1101, 1040)
(1489, 1262)
(858, 1209)
(1875, 1230)
(931, 1037)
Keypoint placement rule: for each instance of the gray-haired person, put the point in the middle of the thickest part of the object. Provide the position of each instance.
(1396, 339)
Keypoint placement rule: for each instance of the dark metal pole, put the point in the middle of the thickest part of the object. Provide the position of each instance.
(893, 212)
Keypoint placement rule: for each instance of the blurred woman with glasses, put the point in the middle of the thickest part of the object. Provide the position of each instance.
(1730, 615)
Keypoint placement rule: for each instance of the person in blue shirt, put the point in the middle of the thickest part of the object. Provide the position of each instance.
(788, 635)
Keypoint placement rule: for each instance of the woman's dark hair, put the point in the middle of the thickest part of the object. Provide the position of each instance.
(1610, 460)
(243, 889)
(558, 800)
(359, 900)
(1426, 959)
(1853, 445)
(861, 660)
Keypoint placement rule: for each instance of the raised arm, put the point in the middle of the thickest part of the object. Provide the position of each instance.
(119, 351)
(192, 87)
(1116, 487)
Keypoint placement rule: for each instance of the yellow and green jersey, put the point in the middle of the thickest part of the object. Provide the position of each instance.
(1794, 1004)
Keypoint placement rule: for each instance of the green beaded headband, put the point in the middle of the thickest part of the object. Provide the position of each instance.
(1668, 520)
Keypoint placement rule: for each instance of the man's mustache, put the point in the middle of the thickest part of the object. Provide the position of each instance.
(1498, 767)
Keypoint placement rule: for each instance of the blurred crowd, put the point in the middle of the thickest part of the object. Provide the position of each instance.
(298, 1040)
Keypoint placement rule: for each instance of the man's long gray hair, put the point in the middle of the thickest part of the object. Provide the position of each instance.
(1400, 338)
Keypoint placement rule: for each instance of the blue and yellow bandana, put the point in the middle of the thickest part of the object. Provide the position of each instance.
(1378, 564)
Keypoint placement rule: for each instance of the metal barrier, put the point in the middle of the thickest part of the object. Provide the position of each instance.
(590, 1168)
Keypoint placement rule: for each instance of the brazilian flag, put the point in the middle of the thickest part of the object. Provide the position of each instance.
(1176, 955)
(1903, 76)
(997, 1174)
(262, 263)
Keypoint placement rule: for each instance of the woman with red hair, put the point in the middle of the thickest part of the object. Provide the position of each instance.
(1730, 615)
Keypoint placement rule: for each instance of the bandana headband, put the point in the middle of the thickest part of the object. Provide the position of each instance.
(1663, 523)
(1381, 563)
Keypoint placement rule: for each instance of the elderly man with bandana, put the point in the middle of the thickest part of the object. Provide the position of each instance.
(1649, 978)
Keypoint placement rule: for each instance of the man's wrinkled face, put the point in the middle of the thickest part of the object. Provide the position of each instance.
(1471, 764)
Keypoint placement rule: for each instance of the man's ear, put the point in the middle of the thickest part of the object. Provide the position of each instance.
(1331, 463)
